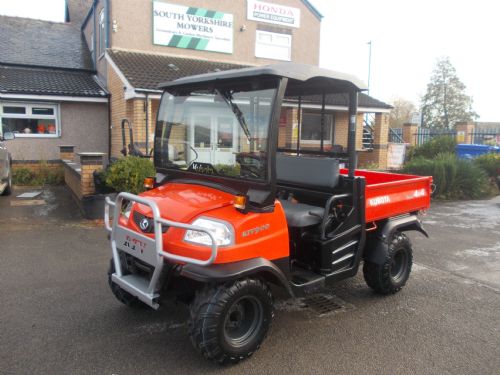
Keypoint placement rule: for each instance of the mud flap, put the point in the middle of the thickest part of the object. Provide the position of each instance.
(377, 253)
(237, 270)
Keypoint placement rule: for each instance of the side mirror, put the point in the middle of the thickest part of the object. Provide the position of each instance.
(8, 136)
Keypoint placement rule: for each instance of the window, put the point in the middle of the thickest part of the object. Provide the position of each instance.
(30, 120)
(102, 34)
(273, 46)
(310, 131)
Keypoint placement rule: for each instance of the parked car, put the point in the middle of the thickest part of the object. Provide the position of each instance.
(5, 165)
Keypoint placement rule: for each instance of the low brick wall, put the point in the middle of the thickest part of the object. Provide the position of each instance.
(36, 165)
(79, 177)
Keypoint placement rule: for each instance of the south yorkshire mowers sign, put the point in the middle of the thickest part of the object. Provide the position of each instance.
(193, 28)
(273, 13)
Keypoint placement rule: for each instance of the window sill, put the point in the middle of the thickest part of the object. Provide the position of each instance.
(18, 135)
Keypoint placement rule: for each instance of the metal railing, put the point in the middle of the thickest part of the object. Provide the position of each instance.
(158, 223)
(368, 136)
(396, 135)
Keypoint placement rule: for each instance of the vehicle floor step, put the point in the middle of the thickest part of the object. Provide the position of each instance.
(300, 277)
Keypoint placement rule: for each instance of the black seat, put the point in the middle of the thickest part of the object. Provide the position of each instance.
(309, 173)
(299, 215)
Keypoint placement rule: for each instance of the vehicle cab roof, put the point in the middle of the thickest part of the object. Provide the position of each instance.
(303, 79)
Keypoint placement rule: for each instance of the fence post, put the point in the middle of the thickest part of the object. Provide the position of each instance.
(465, 132)
(409, 133)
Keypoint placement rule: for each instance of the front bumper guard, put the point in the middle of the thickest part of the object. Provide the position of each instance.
(148, 250)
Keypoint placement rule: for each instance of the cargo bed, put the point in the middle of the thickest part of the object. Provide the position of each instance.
(392, 194)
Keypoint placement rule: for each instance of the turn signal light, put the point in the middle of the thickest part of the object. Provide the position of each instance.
(149, 183)
(240, 201)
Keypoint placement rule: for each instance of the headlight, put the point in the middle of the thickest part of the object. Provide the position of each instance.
(222, 232)
(126, 208)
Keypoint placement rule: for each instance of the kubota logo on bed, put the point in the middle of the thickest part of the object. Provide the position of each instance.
(377, 201)
(419, 193)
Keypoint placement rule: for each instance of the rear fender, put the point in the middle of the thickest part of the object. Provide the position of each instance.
(376, 249)
(218, 273)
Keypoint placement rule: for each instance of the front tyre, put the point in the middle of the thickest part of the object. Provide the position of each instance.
(121, 295)
(390, 276)
(229, 322)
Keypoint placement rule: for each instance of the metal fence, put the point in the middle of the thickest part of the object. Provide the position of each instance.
(479, 137)
(486, 137)
(424, 135)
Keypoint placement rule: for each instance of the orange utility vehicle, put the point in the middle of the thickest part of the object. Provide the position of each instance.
(228, 213)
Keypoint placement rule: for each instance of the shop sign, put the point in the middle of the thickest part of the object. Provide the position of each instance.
(273, 13)
(193, 28)
(395, 155)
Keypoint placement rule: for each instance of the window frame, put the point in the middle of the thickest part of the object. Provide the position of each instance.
(272, 34)
(328, 140)
(29, 115)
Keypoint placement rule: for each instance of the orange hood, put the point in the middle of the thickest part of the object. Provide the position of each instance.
(183, 202)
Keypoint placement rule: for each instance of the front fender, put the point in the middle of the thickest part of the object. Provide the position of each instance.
(224, 272)
(376, 250)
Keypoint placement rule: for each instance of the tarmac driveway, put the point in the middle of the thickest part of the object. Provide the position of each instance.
(57, 315)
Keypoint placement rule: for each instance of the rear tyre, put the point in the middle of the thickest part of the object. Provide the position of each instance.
(229, 322)
(120, 294)
(391, 276)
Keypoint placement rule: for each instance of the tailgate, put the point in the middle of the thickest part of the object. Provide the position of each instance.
(392, 194)
(388, 199)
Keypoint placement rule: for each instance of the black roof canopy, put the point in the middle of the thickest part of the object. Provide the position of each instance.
(304, 79)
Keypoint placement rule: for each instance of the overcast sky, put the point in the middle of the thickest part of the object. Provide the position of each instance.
(407, 38)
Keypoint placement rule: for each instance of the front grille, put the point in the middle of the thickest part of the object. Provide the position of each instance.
(139, 218)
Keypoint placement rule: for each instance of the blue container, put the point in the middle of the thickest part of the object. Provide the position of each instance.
(466, 151)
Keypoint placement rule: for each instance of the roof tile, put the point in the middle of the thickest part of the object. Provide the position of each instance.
(32, 42)
(17, 80)
(146, 71)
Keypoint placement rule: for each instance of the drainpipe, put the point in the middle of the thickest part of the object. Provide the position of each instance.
(147, 123)
(106, 21)
(94, 34)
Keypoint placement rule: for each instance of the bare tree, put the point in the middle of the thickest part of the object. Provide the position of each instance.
(401, 113)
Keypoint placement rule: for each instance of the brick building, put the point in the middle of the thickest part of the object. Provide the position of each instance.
(49, 92)
(133, 54)
(122, 50)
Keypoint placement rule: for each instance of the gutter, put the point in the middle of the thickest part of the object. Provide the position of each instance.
(313, 9)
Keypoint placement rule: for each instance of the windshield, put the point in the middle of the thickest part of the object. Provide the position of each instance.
(222, 131)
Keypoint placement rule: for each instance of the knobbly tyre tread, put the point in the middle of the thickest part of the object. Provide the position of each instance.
(209, 306)
(378, 276)
(121, 295)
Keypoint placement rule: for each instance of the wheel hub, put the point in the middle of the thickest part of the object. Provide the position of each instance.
(243, 321)
(398, 265)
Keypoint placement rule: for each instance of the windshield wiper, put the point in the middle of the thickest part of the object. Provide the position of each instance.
(236, 110)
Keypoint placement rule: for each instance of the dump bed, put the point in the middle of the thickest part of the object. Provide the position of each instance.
(392, 194)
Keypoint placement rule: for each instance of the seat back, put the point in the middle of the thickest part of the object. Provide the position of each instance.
(308, 172)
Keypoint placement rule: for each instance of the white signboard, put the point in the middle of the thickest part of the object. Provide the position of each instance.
(273, 13)
(193, 28)
(395, 155)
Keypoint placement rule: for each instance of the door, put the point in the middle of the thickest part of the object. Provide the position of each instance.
(214, 138)
(226, 140)
(202, 138)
